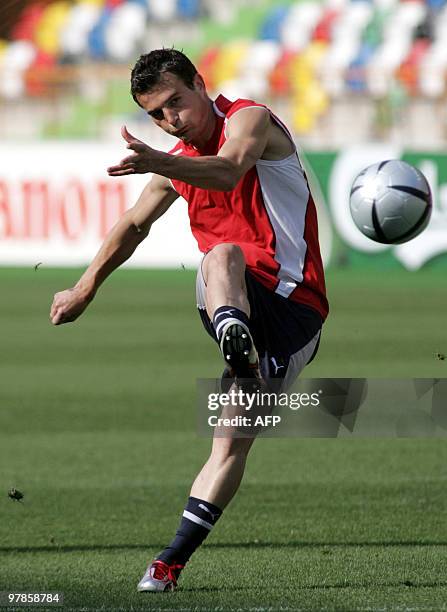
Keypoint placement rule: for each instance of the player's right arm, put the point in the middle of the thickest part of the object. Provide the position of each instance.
(131, 229)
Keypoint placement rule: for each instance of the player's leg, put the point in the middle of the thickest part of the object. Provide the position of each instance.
(220, 477)
(224, 309)
(223, 270)
(227, 306)
(212, 490)
(287, 335)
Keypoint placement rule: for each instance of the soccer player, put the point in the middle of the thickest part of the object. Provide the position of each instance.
(260, 285)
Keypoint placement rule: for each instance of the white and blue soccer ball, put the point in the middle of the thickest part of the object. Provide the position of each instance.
(391, 202)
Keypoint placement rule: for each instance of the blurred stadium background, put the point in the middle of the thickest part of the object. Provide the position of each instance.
(95, 428)
(357, 81)
(315, 61)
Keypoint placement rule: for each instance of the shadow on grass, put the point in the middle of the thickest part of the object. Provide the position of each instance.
(54, 548)
(314, 587)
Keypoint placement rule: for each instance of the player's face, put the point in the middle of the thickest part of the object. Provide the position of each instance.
(180, 111)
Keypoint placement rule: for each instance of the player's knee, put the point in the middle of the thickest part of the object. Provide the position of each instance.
(226, 256)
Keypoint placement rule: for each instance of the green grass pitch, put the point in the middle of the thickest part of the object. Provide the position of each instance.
(97, 428)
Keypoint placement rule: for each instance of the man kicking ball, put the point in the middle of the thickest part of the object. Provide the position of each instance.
(260, 285)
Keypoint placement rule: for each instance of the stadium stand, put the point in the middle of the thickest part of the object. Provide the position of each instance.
(312, 59)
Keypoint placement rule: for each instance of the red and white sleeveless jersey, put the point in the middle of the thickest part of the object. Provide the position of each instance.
(270, 215)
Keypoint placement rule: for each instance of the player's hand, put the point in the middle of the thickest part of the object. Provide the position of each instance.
(141, 161)
(68, 305)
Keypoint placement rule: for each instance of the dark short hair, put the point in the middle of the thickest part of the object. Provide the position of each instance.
(150, 67)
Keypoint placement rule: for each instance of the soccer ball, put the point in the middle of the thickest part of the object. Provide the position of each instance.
(391, 202)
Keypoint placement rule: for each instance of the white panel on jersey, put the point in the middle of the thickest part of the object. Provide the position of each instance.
(285, 192)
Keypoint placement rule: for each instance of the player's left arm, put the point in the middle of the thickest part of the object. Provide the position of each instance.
(247, 137)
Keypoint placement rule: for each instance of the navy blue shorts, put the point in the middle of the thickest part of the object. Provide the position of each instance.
(286, 333)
